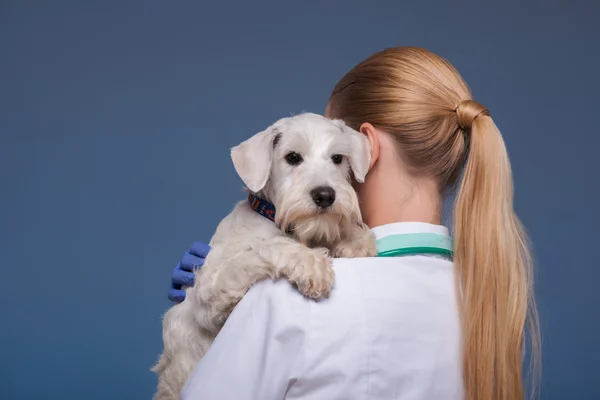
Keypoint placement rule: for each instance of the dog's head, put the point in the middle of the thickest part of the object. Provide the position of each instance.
(304, 165)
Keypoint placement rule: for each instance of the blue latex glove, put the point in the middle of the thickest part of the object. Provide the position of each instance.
(183, 274)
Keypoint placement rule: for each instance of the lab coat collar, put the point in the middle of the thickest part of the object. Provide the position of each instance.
(408, 227)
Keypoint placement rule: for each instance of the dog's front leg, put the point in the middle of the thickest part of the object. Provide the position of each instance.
(309, 269)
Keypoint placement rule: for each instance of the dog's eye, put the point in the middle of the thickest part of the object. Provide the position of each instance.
(337, 158)
(293, 158)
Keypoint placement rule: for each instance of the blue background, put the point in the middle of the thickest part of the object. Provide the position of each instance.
(116, 120)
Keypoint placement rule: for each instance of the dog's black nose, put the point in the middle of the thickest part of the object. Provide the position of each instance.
(323, 196)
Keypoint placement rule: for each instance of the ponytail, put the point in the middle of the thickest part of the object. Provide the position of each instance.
(494, 269)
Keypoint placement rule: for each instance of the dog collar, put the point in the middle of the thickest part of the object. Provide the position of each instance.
(262, 207)
(413, 244)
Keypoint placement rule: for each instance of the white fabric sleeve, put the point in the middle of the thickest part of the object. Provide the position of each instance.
(260, 349)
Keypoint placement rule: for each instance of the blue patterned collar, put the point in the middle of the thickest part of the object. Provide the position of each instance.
(262, 207)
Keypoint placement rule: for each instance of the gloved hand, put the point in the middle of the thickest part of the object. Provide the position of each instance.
(183, 274)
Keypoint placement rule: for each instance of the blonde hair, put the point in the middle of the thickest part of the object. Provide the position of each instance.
(421, 99)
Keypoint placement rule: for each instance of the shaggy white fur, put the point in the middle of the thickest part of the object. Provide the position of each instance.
(282, 165)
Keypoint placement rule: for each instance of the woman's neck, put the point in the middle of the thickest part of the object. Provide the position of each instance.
(389, 196)
(386, 211)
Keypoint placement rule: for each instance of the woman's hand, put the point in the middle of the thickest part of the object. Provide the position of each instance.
(183, 274)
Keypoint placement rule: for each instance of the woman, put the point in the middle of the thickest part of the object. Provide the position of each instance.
(430, 324)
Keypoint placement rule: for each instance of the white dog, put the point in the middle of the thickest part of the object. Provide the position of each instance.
(301, 167)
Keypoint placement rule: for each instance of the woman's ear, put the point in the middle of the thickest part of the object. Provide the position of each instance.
(369, 131)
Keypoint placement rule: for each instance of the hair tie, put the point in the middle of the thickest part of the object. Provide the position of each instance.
(467, 111)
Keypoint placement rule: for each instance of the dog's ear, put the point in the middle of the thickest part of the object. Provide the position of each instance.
(360, 152)
(252, 159)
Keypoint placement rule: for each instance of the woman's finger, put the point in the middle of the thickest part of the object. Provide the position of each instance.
(190, 262)
(200, 249)
(182, 278)
(176, 296)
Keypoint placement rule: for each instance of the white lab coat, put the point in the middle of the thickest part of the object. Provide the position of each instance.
(390, 330)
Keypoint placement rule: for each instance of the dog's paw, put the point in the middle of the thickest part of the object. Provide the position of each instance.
(360, 244)
(352, 249)
(313, 275)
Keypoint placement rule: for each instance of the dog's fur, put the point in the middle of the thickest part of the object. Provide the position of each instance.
(247, 247)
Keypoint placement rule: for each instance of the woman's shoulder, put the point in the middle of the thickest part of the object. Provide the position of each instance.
(391, 270)
(391, 284)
